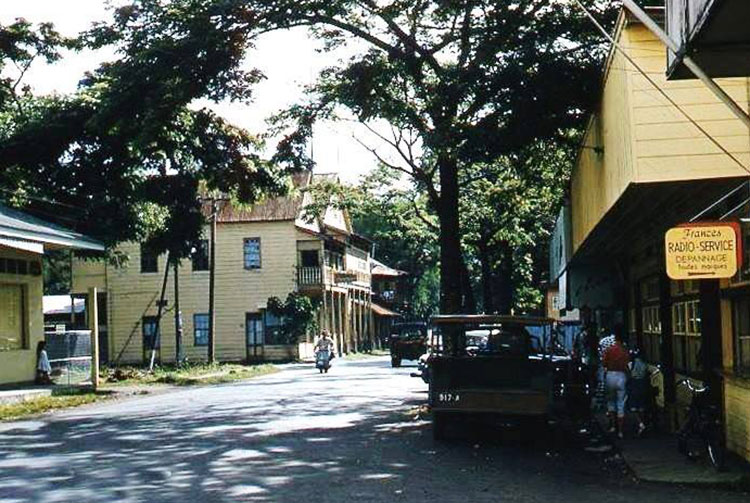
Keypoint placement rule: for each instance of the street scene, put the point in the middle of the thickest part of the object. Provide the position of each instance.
(353, 434)
(383, 250)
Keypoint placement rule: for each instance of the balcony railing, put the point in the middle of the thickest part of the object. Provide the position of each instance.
(309, 276)
(318, 276)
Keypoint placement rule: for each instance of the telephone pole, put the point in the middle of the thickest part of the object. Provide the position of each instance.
(212, 286)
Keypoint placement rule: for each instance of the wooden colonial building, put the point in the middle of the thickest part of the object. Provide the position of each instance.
(267, 250)
(642, 168)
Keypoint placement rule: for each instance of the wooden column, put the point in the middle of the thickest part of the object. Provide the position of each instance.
(667, 342)
(711, 341)
(341, 316)
(93, 314)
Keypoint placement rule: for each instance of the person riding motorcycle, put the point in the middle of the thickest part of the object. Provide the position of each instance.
(325, 343)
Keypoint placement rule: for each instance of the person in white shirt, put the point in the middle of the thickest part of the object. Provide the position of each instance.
(325, 343)
(43, 368)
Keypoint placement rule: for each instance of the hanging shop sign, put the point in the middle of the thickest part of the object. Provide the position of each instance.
(708, 250)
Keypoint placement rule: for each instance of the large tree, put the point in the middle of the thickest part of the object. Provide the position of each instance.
(128, 154)
(459, 82)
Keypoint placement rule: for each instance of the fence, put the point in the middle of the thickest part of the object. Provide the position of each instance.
(69, 355)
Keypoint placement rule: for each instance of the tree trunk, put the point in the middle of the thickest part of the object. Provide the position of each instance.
(486, 266)
(468, 302)
(505, 283)
(450, 239)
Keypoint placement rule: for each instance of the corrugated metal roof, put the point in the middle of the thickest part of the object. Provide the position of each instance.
(16, 224)
(275, 209)
(378, 268)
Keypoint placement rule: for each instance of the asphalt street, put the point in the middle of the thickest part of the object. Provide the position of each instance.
(350, 435)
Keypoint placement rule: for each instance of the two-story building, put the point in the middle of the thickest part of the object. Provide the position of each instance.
(267, 250)
(643, 167)
(23, 241)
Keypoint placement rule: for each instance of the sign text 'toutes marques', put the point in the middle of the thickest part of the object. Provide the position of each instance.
(703, 251)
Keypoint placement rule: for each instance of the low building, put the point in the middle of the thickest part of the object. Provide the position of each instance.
(23, 241)
(268, 250)
(643, 168)
(389, 297)
(63, 312)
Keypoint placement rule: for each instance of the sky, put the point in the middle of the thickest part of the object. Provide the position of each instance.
(288, 59)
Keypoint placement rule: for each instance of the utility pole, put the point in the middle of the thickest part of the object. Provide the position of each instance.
(160, 309)
(212, 286)
(177, 315)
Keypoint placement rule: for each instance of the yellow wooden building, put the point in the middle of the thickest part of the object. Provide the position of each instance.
(23, 241)
(267, 250)
(642, 168)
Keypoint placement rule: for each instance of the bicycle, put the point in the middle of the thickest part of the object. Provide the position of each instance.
(702, 431)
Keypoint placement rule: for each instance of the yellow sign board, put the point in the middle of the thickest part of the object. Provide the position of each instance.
(703, 251)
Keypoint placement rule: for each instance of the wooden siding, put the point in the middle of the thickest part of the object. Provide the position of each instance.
(645, 139)
(87, 274)
(668, 147)
(19, 365)
(600, 177)
(737, 415)
(133, 295)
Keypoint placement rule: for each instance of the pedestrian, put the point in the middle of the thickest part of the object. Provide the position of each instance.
(638, 385)
(43, 368)
(615, 363)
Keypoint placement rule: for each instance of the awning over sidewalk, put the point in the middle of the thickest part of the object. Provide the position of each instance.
(382, 311)
(17, 226)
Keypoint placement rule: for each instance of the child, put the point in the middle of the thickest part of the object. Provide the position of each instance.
(43, 367)
(637, 386)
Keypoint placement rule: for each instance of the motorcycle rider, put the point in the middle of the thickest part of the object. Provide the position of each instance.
(325, 343)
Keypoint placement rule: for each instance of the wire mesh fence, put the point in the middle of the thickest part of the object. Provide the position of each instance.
(69, 355)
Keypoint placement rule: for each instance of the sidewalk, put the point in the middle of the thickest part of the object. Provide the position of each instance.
(655, 458)
(22, 393)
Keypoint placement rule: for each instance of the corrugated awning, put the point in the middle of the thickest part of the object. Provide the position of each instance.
(17, 225)
(382, 311)
(18, 244)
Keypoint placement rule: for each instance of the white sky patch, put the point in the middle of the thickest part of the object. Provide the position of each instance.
(288, 59)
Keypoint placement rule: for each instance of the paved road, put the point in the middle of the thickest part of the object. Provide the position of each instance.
(294, 436)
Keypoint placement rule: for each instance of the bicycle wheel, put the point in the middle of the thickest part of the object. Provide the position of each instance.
(715, 449)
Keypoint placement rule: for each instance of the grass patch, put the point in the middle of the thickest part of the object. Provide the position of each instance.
(60, 399)
(187, 374)
(364, 356)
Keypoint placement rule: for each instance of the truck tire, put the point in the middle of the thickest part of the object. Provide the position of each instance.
(439, 426)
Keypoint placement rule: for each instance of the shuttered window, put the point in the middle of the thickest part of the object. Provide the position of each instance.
(12, 325)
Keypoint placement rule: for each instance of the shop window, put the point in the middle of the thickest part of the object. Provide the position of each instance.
(651, 320)
(200, 329)
(686, 329)
(650, 289)
(199, 256)
(743, 274)
(741, 332)
(274, 329)
(12, 322)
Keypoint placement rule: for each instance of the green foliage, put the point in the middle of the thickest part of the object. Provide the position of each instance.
(298, 314)
(56, 272)
(128, 153)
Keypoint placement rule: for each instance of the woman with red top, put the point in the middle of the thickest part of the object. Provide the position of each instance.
(615, 362)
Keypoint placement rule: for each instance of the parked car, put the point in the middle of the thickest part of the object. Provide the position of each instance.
(408, 341)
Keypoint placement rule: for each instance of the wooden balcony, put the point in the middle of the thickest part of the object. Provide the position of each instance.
(317, 277)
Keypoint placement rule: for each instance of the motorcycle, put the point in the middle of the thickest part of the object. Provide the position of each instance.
(323, 360)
